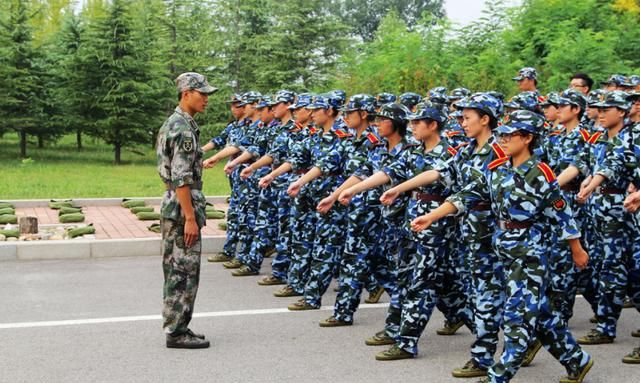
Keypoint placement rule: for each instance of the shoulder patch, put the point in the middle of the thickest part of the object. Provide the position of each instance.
(409, 145)
(461, 145)
(453, 133)
(546, 170)
(313, 130)
(452, 151)
(372, 137)
(498, 150)
(559, 204)
(497, 163)
(556, 133)
(594, 137)
(187, 144)
(584, 134)
(341, 133)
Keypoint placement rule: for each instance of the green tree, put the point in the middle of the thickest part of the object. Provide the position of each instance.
(125, 111)
(20, 81)
(364, 17)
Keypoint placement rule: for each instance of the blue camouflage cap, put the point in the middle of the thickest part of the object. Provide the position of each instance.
(236, 97)
(456, 113)
(365, 102)
(323, 101)
(527, 72)
(264, 102)
(482, 101)
(458, 94)
(410, 99)
(250, 98)
(572, 97)
(339, 95)
(194, 81)
(394, 111)
(302, 101)
(595, 96)
(550, 99)
(617, 80)
(633, 96)
(437, 90)
(426, 110)
(524, 100)
(385, 98)
(615, 98)
(522, 120)
(634, 80)
(285, 96)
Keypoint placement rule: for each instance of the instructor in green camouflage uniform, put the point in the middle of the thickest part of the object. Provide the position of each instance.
(182, 210)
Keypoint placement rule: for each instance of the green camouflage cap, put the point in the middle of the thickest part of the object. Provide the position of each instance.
(616, 98)
(194, 81)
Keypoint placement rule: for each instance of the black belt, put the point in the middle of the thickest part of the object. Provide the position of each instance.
(608, 190)
(301, 171)
(574, 188)
(481, 206)
(511, 225)
(427, 197)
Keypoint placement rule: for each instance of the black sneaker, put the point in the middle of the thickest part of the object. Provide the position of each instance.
(186, 340)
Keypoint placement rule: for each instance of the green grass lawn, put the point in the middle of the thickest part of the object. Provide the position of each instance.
(60, 170)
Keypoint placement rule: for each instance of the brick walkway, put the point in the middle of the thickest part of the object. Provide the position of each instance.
(115, 222)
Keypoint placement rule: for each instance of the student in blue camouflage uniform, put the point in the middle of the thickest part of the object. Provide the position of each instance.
(280, 233)
(612, 235)
(297, 150)
(265, 228)
(182, 210)
(246, 190)
(367, 250)
(392, 124)
(453, 129)
(231, 150)
(424, 279)
(569, 141)
(527, 201)
(325, 175)
(481, 112)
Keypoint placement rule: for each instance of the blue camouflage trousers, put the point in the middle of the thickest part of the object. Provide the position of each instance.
(527, 313)
(281, 260)
(249, 193)
(611, 239)
(363, 257)
(266, 227)
(487, 284)
(424, 286)
(328, 245)
(406, 250)
(233, 230)
(634, 263)
(303, 223)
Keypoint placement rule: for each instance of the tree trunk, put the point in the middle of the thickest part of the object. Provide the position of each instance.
(28, 225)
(79, 139)
(23, 144)
(40, 141)
(117, 149)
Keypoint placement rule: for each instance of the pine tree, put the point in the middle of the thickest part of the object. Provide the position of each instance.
(19, 76)
(125, 111)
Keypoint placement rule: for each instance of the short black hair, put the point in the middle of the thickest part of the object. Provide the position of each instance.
(400, 127)
(584, 77)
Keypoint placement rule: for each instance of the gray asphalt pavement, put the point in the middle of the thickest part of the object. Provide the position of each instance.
(253, 345)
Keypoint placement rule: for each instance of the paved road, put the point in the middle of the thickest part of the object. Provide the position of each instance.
(253, 340)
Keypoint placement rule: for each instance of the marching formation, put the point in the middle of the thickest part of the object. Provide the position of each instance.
(494, 212)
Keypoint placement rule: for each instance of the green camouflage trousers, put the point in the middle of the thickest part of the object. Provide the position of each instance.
(181, 268)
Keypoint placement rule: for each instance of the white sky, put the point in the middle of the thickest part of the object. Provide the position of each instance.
(463, 12)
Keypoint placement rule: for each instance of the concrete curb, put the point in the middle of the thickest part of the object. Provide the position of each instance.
(30, 203)
(83, 248)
